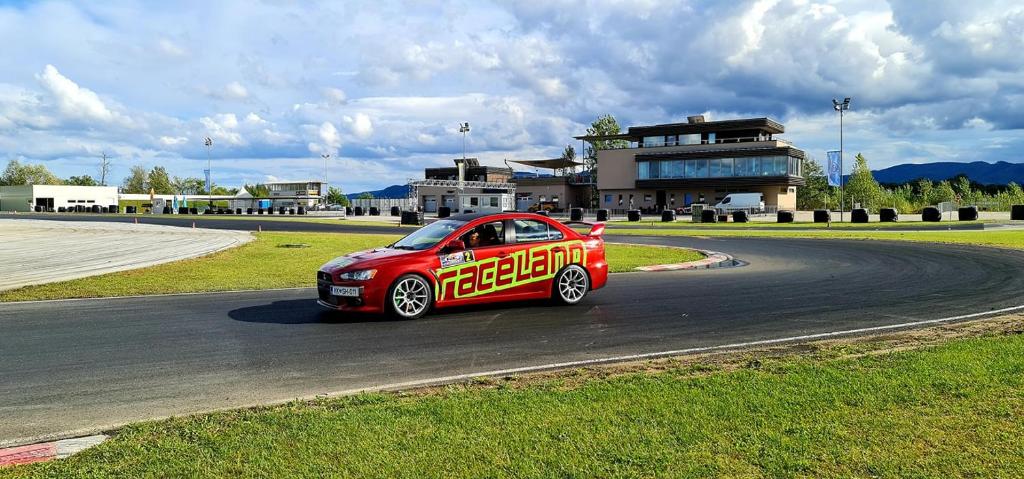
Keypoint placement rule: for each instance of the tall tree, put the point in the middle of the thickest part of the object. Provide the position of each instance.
(603, 126)
(568, 154)
(159, 182)
(84, 180)
(104, 169)
(366, 195)
(257, 190)
(815, 193)
(135, 183)
(17, 174)
(862, 187)
(336, 197)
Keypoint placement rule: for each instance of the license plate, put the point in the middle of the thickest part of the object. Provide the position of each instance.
(345, 291)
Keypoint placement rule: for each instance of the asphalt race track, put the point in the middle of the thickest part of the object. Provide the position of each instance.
(83, 365)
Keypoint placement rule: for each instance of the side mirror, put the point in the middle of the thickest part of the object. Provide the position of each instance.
(455, 245)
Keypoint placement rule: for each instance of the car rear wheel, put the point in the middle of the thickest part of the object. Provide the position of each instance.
(571, 284)
(409, 297)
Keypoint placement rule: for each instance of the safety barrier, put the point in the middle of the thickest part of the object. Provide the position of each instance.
(784, 216)
(412, 218)
(359, 211)
(931, 213)
(888, 215)
(740, 217)
(444, 212)
(859, 215)
(822, 216)
(633, 215)
(1017, 212)
(968, 213)
(708, 215)
(575, 214)
(666, 216)
(602, 215)
(374, 211)
(396, 211)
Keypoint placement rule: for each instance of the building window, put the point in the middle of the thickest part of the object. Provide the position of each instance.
(711, 138)
(689, 169)
(647, 198)
(701, 169)
(689, 139)
(607, 199)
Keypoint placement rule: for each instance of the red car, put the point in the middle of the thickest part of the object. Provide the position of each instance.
(465, 260)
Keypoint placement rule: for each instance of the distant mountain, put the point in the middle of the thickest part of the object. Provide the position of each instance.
(999, 173)
(391, 192)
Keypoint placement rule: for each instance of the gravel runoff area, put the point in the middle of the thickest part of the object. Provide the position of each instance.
(37, 252)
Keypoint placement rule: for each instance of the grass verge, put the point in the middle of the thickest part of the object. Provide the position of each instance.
(909, 404)
(682, 224)
(265, 264)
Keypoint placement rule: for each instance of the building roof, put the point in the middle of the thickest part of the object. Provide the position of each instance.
(553, 163)
(635, 133)
(291, 182)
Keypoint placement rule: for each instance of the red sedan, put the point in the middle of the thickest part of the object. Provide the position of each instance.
(465, 260)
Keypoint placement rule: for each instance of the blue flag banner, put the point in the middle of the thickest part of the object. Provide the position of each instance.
(208, 190)
(174, 203)
(835, 168)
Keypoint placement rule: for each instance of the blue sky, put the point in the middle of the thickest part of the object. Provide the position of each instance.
(382, 86)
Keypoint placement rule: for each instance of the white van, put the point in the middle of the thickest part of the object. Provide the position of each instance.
(741, 201)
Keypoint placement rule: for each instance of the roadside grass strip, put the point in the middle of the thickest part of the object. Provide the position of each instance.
(267, 263)
(906, 404)
(685, 224)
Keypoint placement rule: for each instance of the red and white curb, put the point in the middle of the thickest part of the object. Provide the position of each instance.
(46, 451)
(712, 259)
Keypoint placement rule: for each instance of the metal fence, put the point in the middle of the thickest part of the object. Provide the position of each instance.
(385, 204)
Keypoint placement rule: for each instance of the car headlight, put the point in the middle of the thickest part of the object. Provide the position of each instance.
(362, 275)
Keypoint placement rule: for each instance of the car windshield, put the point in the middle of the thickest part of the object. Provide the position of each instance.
(428, 236)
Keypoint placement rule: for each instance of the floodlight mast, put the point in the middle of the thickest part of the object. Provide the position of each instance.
(841, 107)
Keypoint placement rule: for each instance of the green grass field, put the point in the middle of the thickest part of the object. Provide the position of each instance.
(952, 410)
(616, 225)
(265, 264)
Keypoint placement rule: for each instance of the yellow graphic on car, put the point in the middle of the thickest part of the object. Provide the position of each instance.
(525, 266)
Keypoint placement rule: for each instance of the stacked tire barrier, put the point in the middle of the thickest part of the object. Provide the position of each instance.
(709, 215)
(374, 211)
(259, 211)
(359, 211)
(968, 213)
(602, 215)
(396, 211)
(348, 211)
(931, 213)
(740, 217)
(444, 212)
(62, 210)
(668, 215)
(859, 215)
(412, 218)
(633, 215)
(723, 217)
(575, 214)
(888, 215)
(130, 210)
(1017, 212)
(784, 216)
(248, 211)
(291, 211)
(96, 209)
(822, 216)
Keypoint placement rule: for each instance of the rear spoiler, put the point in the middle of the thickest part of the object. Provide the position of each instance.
(596, 229)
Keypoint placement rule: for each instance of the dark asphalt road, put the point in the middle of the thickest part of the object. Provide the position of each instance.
(79, 365)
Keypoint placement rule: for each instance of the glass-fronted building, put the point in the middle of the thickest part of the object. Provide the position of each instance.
(672, 166)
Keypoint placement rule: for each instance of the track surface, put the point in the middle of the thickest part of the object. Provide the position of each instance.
(81, 365)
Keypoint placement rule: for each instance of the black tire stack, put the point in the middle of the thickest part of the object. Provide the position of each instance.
(822, 216)
(633, 215)
(888, 215)
(931, 213)
(668, 216)
(602, 215)
(444, 212)
(412, 218)
(709, 215)
(968, 213)
(859, 215)
(575, 214)
(740, 217)
(784, 216)
(1017, 212)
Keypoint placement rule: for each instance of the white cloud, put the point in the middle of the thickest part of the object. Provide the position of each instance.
(361, 125)
(74, 101)
(235, 91)
(173, 141)
(335, 95)
(171, 49)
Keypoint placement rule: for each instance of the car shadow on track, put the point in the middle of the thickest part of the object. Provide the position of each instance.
(297, 311)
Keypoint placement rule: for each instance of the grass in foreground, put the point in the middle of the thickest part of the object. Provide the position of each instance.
(847, 410)
(264, 264)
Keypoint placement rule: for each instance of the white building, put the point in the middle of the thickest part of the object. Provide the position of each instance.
(55, 197)
(291, 194)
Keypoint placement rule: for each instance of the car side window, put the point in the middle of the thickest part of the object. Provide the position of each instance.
(528, 231)
(487, 234)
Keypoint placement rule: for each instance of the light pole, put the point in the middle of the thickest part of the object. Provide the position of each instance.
(209, 171)
(841, 107)
(464, 128)
(323, 188)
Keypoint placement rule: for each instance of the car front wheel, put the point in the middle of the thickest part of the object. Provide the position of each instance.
(410, 297)
(571, 285)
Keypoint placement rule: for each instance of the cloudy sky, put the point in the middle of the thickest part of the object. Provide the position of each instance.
(383, 86)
